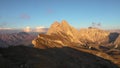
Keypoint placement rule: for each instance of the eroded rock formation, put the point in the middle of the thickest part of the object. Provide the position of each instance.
(62, 34)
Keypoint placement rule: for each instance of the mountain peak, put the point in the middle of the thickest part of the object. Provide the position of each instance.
(63, 35)
(64, 22)
(57, 27)
(56, 23)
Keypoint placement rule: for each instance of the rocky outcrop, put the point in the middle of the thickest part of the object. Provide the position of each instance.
(91, 40)
(62, 29)
(58, 35)
(62, 34)
(94, 35)
(43, 40)
(117, 42)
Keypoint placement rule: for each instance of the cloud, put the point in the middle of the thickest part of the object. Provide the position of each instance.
(25, 16)
(5, 28)
(27, 29)
(40, 29)
(36, 29)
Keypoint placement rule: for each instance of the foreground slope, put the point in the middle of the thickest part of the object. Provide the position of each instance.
(65, 57)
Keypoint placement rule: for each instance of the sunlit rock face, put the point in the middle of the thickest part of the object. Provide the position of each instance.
(47, 41)
(62, 29)
(62, 34)
(94, 35)
(58, 35)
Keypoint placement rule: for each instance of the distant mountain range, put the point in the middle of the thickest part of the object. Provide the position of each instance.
(15, 39)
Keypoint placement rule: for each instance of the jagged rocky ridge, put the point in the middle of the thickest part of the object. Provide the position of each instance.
(61, 48)
(62, 34)
(57, 36)
(92, 40)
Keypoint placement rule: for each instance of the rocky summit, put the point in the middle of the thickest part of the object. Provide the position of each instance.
(58, 35)
(102, 43)
(62, 34)
(93, 35)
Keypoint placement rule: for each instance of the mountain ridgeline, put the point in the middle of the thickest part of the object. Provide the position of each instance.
(101, 43)
(15, 39)
(62, 34)
(62, 46)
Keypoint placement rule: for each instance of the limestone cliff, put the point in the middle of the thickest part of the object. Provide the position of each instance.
(62, 29)
(94, 35)
(62, 34)
(58, 35)
(117, 42)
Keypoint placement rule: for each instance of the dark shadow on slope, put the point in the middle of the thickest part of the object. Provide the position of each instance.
(28, 57)
(113, 36)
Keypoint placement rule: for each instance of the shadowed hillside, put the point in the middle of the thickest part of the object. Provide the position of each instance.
(27, 57)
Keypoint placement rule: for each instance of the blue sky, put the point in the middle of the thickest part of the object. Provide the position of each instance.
(79, 13)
